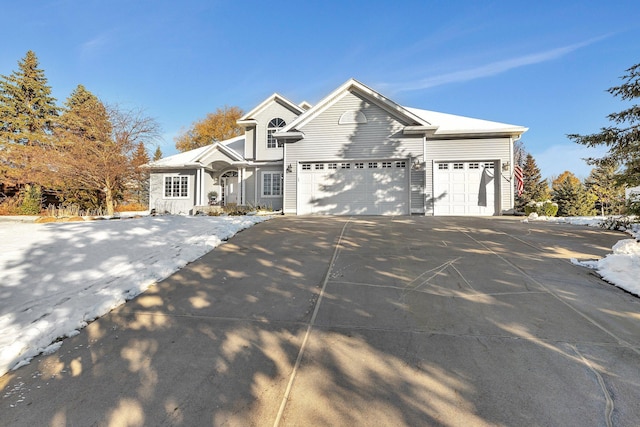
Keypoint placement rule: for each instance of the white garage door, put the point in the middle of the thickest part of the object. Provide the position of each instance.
(464, 188)
(354, 188)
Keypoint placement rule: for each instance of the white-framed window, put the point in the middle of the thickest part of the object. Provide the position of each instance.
(332, 166)
(443, 166)
(488, 166)
(401, 164)
(176, 187)
(274, 126)
(373, 165)
(271, 184)
(345, 165)
(319, 166)
(474, 165)
(359, 165)
(386, 165)
(306, 167)
(458, 166)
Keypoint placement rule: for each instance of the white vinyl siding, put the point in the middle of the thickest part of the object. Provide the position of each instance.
(274, 110)
(380, 137)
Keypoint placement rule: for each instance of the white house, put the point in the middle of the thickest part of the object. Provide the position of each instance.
(354, 153)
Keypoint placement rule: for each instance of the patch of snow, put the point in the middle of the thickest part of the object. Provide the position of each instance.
(57, 277)
(622, 266)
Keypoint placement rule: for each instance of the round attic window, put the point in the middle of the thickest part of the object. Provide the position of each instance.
(352, 117)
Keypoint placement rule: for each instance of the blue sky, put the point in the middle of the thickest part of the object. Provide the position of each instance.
(545, 65)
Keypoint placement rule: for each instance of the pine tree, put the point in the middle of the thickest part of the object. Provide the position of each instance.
(535, 188)
(90, 165)
(602, 184)
(571, 196)
(157, 155)
(622, 138)
(214, 127)
(140, 175)
(27, 117)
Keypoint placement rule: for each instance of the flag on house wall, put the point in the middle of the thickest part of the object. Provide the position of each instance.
(519, 175)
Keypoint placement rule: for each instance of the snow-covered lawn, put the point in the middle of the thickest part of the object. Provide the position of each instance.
(54, 278)
(622, 266)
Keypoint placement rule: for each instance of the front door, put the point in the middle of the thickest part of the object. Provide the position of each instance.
(229, 184)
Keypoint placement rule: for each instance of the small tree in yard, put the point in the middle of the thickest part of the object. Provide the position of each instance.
(603, 185)
(571, 196)
(96, 144)
(535, 189)
(139, 187)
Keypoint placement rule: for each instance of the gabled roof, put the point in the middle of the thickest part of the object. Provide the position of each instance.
(450, 124)
(352, 85)
(423, 122)
(249, 118)
(193, 158)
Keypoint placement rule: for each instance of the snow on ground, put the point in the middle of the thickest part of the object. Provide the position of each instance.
(622, 266)
(54, 278)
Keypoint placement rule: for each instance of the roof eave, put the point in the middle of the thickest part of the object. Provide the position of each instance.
(515, 133)
(419, 130)
(289, 136)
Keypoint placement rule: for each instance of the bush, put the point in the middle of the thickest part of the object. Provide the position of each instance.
(621, 223)
(30, 200)
(10, 206)
(546, 208)
(131, 207)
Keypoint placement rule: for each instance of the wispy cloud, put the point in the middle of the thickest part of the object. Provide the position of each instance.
(489, 69)
(96, 44)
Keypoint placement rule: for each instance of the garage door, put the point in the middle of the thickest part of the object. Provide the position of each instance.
(354, 188)
(464, 188)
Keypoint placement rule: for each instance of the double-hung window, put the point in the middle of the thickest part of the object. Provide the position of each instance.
(271, 184)
(176, 187)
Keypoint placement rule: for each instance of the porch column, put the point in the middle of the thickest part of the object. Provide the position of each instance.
(243, 198)
(198, 187)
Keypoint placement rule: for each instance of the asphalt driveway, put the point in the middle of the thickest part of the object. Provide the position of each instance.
(304, 321)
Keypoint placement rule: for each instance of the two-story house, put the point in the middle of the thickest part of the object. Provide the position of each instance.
(354, 153)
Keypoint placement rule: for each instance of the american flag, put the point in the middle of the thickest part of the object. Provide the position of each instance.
(519, 175)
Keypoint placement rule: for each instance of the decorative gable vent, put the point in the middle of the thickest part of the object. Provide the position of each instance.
(352, 117)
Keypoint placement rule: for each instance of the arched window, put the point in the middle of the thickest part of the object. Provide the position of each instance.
(274, 126)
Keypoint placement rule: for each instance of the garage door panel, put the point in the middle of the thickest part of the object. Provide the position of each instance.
(354, 191)
(464, 188)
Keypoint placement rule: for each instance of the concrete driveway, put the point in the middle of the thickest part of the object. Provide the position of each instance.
(403, 321)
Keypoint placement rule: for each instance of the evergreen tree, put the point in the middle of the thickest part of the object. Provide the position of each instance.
(602, 184)
(571, 196)
(140, 178)
(27, 117)
(623, 137)
(535, 188)
(157, 155)
(89, 163)
(214, 127)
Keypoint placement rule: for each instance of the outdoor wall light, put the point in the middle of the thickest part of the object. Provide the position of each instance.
(505, 166)
(289, 168)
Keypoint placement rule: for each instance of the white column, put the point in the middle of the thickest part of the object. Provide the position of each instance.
(243, 189)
